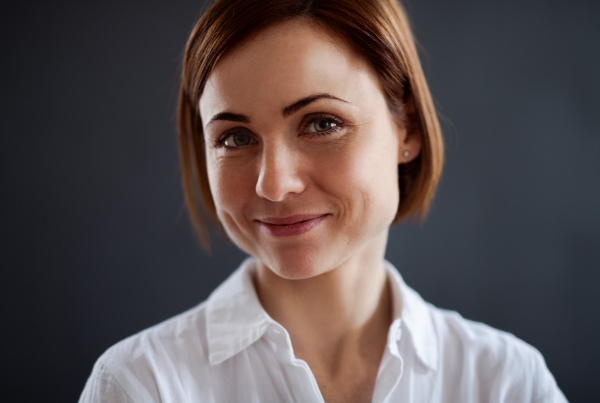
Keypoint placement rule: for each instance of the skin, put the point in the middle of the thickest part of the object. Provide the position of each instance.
(327, 287)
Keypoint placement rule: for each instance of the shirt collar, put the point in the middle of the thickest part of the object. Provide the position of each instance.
(415, 315)
(234, 316)
(236, 319)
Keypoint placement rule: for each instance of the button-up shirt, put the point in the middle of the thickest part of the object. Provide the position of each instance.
(228, 349)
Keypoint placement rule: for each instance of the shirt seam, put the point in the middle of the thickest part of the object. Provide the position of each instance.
(105, 366)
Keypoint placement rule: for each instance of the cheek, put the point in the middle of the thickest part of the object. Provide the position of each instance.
(230, 184)
(364, 176)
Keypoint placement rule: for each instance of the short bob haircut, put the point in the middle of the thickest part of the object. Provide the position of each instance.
(378, 30)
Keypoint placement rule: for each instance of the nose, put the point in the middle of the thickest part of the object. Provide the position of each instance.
(280, 174)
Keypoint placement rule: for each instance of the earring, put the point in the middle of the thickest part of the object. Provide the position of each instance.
(406, 153)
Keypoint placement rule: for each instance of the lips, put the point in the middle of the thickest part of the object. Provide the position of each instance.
(292, 225)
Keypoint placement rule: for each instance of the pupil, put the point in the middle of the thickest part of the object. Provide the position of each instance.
(323, 125)
(240, 139)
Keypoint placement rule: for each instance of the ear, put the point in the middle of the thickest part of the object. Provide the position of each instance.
(409, 139)
(409, 145)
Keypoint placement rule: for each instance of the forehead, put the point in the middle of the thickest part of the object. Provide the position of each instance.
(282, 64)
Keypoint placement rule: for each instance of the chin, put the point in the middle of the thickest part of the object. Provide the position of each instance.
(296, 263)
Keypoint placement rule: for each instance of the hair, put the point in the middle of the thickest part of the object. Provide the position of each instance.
(378, 30)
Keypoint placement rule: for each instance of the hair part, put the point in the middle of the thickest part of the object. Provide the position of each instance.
(378, 30)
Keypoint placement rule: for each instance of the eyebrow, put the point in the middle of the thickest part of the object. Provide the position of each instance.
(296, 106)
(287, 111)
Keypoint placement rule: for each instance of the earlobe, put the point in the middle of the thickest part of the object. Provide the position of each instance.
(409, 147)
(409, 136)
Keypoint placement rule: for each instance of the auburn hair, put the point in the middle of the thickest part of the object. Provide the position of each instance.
(378, 30)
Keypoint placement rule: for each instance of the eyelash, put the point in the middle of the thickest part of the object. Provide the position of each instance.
(220, 142)
(328, 119)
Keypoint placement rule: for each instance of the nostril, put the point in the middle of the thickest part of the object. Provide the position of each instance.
(280, 173)
(275, 184)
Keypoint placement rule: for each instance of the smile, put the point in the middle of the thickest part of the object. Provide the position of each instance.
(292, 225)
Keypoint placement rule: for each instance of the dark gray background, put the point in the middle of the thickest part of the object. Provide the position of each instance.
(95, 239)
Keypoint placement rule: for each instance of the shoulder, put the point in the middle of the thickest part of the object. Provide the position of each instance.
(173, 337)
(500, 364)
(138, 366)
(103, 387)
(476, 338)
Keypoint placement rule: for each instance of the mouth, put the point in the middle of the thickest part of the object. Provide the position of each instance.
(292, 225)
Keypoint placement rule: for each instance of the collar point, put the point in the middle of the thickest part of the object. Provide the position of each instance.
(217, 358)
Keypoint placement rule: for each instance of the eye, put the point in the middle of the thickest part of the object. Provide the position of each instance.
(237, 140)
(323, 125)
(320, 126)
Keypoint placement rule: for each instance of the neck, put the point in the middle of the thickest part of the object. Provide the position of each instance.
(348, 306)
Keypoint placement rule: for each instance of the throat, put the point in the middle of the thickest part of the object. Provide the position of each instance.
(346, 370)
(337, 345)
(338, 324)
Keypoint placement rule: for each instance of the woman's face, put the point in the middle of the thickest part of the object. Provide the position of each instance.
(302, 150)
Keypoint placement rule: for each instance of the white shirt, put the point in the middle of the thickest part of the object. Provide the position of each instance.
(228, 349)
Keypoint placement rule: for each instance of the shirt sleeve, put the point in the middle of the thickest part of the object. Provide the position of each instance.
(103, 387)
(545, 388)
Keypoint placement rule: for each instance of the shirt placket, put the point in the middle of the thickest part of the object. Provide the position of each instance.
(303, 385)
(391, 368)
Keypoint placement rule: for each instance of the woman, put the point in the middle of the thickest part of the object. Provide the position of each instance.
(308, 129)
